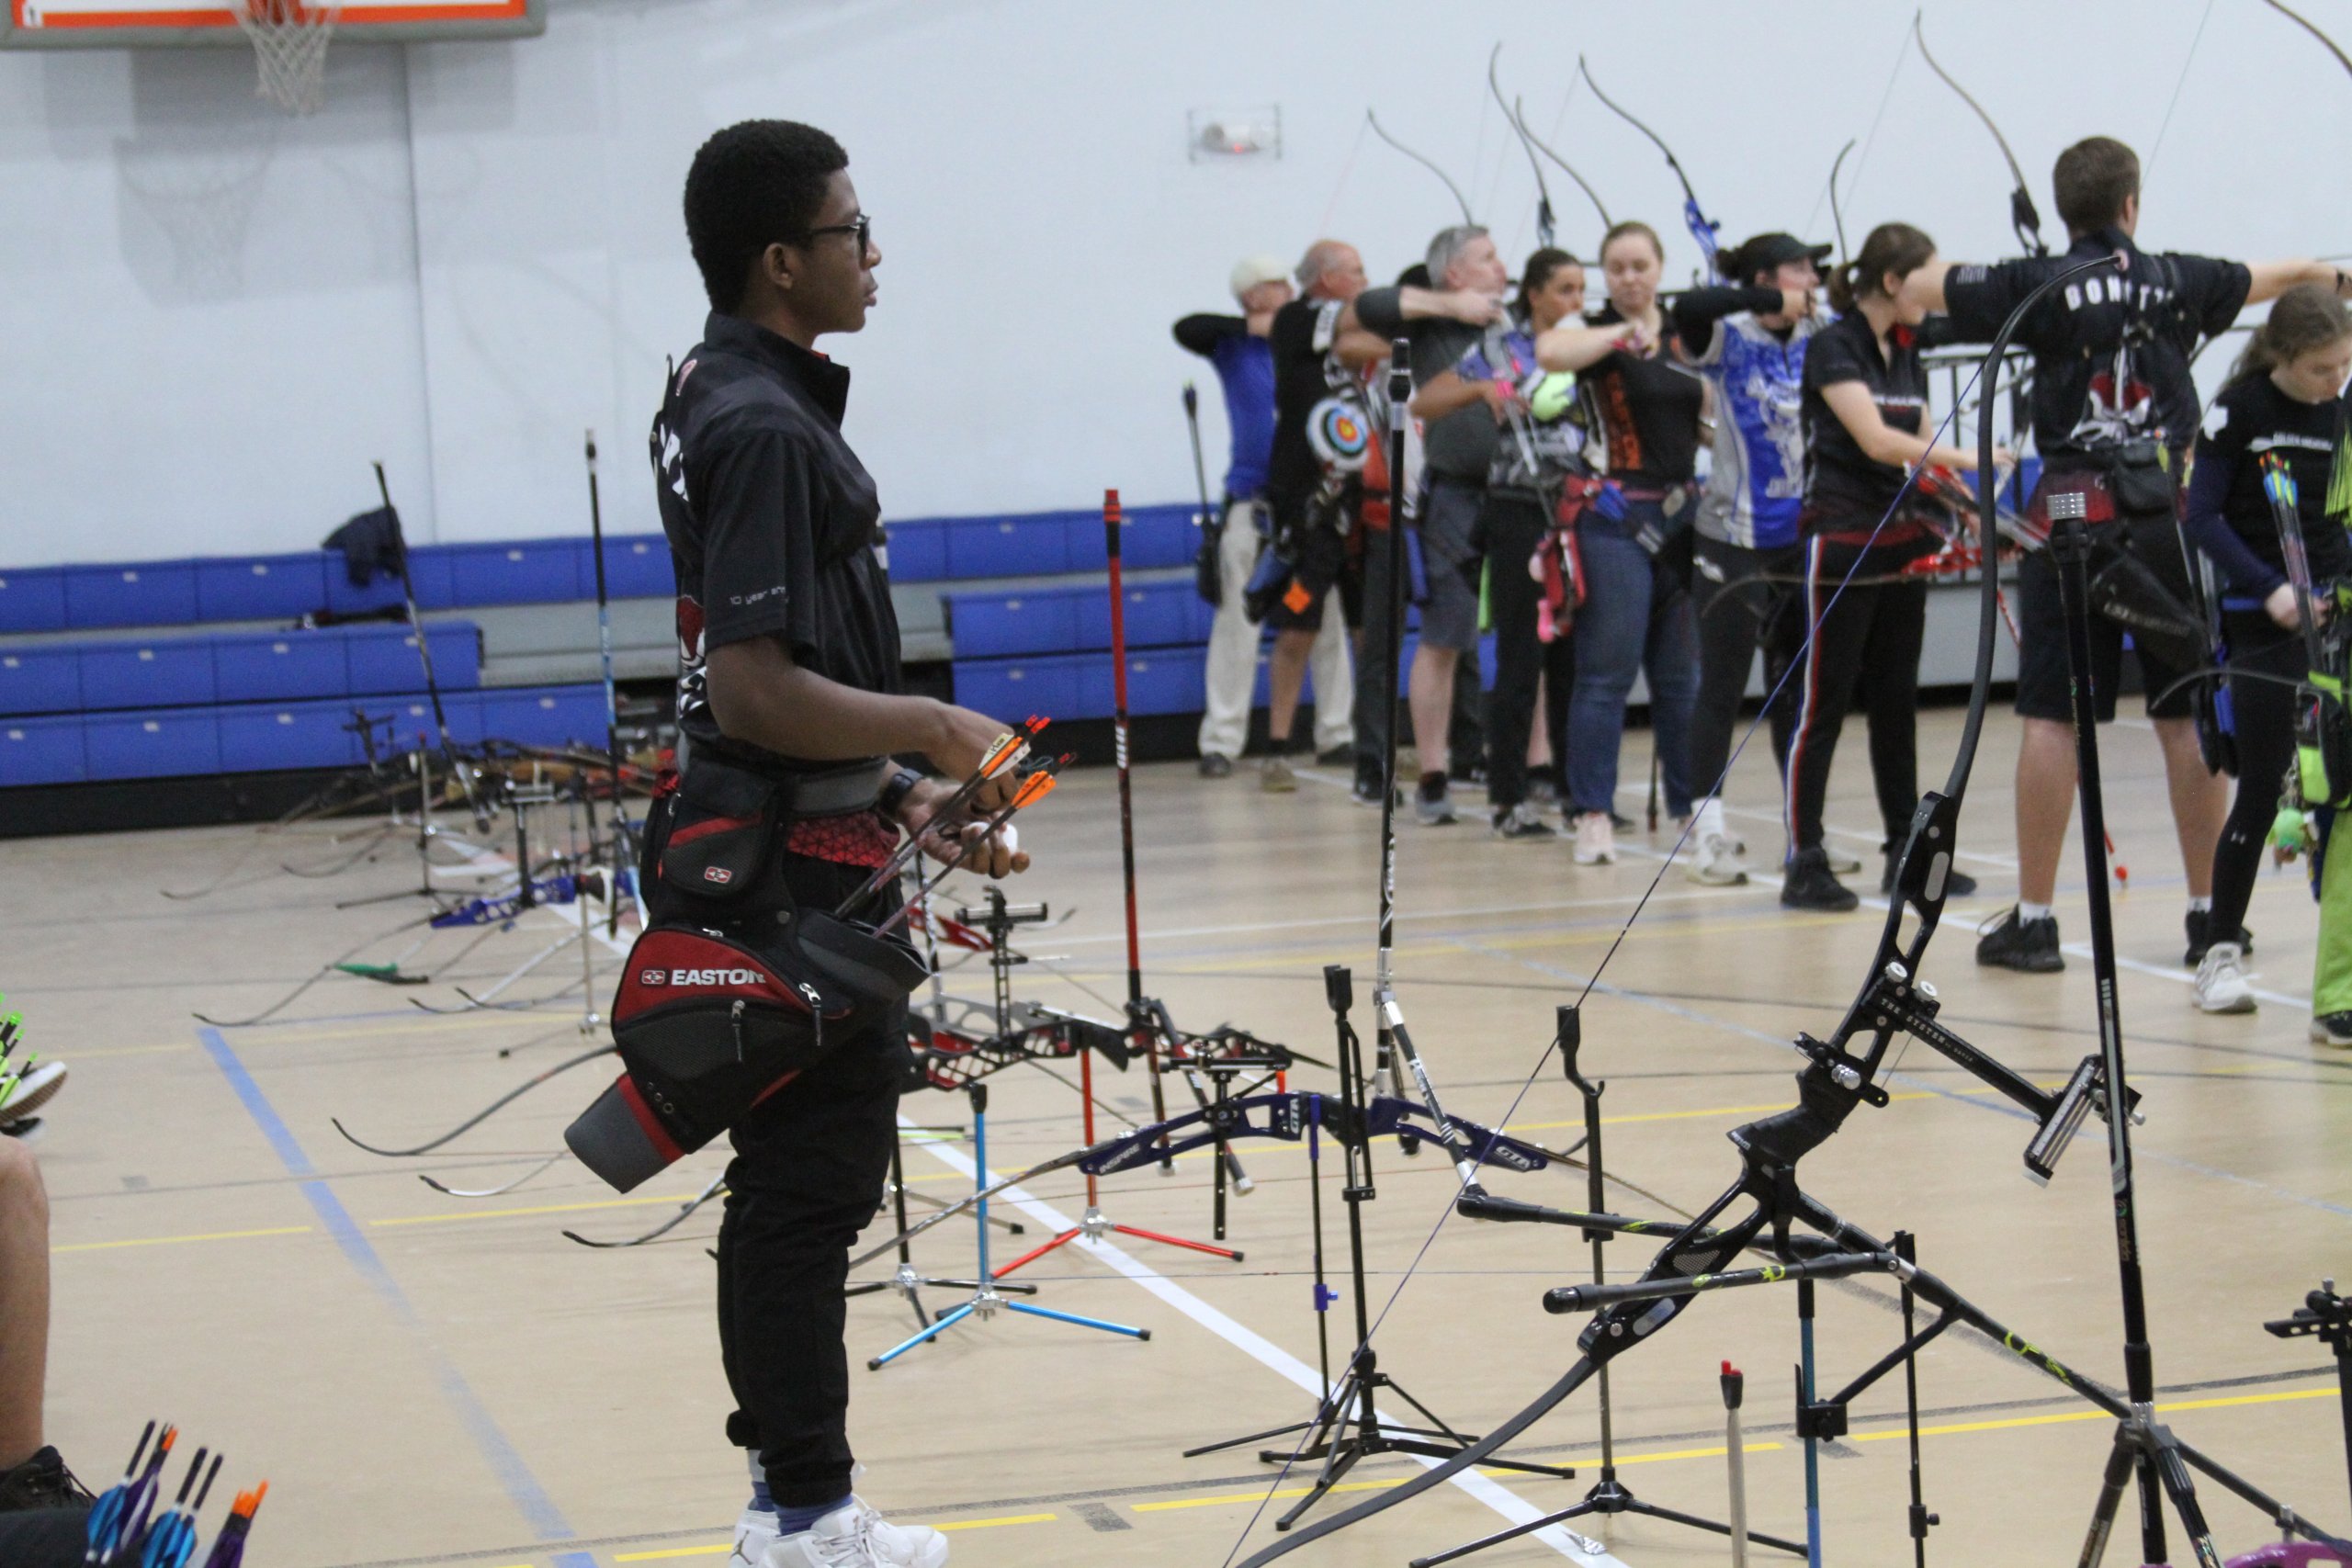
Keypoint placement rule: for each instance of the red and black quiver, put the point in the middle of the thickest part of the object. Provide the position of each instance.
(716, 1011)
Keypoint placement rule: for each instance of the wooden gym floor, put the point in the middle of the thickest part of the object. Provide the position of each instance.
(428, 1380)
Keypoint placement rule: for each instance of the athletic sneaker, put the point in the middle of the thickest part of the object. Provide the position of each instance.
(1958, 884)
(1216, 765)
(2220, 980)
(1366, 791)
(1808, 883)
(754, 1533)
(42, 1482)
(2331, 1029)
(1543, 789)
(1275, 777)
(1337, 757)
(1522, 821)
(28, 1094)
(1433, 811)
(1715, 853)
(2200, 938)
(857, 1536)
(1596, 838)
(2030, 947)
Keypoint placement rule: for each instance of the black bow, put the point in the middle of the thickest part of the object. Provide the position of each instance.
(2023, 218)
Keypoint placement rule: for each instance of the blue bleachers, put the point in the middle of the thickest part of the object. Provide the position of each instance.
(147, 693)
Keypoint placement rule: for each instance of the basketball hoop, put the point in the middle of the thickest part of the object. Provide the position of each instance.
(289, 40)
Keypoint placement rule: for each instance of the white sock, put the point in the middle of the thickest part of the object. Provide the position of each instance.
(2031, 912)
(2201, 906)
(1709, 818)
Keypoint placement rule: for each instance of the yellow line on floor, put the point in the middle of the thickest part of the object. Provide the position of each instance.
(457, 1215)
(728, 1546)
(170, 1240)
(1716, 1452)
(2068, 1416)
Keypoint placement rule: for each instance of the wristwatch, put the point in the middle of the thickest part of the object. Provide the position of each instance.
(894, 793)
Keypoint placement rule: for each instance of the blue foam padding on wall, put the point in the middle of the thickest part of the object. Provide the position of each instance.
(1008, 546)
(527, 572)
(32, 600)
(262, 588)
(137, 593)
(289, 735)
(384, 658)
(993, 624)
(162, 672)
(259, 667)
(41, 752)
(157, 744)
(918, 552)
(636, 566)
(543, 716)
(40, 680)
(1013, 689)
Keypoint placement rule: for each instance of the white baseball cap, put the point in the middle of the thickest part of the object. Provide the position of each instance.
(1251, 271)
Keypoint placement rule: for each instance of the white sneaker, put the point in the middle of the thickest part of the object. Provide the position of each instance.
(1715, 853)
(857, 1536)
(1596, 841)
(2220, 980)
(754, 1533)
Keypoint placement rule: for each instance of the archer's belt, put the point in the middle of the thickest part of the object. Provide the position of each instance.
(842, 790)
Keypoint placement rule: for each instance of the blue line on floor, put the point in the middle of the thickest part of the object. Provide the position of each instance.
(522, 1486)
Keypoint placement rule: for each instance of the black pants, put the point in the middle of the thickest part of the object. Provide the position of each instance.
(1514, 527)
(1745, 599)
(1865, 650)
(2263, 717)
(810, 1166)
(1374, 718)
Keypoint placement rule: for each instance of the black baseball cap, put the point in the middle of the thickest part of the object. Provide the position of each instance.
(1762, 252)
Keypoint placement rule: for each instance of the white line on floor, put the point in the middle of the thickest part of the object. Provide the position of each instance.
(1494, 1495)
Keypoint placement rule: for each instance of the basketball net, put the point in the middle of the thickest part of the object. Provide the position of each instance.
(290, 40)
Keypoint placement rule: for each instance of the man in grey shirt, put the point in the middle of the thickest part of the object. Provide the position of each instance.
(1441, 325)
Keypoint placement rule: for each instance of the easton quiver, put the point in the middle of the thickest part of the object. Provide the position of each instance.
(734, 990)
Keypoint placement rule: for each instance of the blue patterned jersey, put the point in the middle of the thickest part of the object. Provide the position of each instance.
(1756, 486)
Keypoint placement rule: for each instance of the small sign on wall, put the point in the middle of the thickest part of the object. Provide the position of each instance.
(1216, 134)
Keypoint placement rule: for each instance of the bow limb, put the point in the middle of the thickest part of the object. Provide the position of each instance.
(970, 1200)
(1519, 119)
(1459, 199)
(2311, 28)
(1837, 217)
(2023, 217)
(1703, 229)
(1543, 192)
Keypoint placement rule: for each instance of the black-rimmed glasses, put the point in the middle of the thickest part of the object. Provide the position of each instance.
(862, 226)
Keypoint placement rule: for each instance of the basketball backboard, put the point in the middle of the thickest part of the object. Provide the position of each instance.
(167, 24)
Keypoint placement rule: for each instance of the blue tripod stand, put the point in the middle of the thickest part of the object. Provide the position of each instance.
(988, 1299)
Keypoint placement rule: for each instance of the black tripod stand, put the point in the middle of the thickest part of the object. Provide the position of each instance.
(2142, 1447)
(1348, 1426)
(1608, 1494)
(2327, 1317)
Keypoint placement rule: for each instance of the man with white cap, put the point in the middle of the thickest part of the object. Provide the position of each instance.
(1238, 348)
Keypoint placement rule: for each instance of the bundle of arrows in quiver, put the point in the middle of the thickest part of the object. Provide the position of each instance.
(125, 1529)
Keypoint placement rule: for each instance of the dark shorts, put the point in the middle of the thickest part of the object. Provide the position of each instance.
(1318, 563)
(1451, 560)
(2043, 689)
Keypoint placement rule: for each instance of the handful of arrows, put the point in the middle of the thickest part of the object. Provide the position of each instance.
(124, 1531)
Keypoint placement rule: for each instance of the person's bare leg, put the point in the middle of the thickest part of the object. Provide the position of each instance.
(1289, 677)
(2200, 801)
(2045, 805)
(23, 1301)
(1432, 704)
(1539, 739)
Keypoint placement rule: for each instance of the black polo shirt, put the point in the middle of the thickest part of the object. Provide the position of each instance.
(773, 523)
(1647, 408)
(2111, 349)
(2250, 418)
(1845, 489)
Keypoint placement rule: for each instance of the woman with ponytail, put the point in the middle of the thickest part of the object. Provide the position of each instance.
(1867, 431)
(2284, 396)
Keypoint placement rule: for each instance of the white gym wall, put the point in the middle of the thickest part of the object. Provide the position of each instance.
(213, 316)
